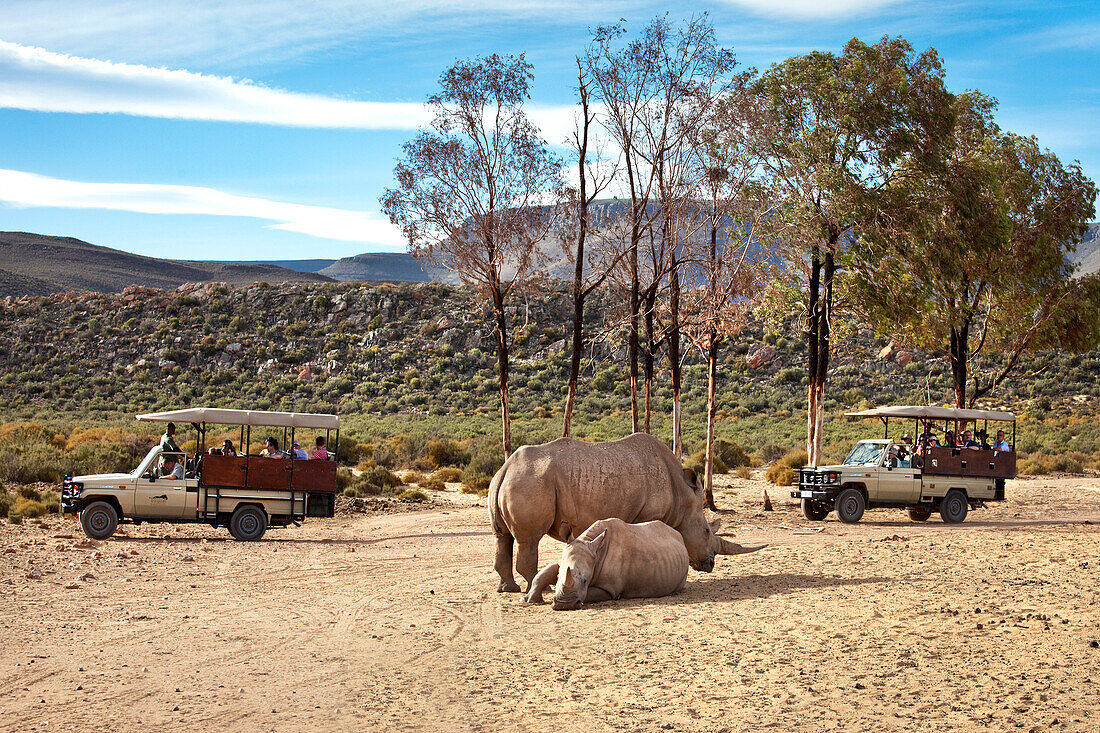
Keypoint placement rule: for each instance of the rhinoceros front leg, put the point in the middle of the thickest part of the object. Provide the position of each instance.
(546, 577)
(504, 565)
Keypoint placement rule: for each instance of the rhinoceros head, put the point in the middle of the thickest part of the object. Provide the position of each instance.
(575, 570)
(701, 537)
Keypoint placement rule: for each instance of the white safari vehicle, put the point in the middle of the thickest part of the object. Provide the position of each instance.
(245, 493)
(919, 476)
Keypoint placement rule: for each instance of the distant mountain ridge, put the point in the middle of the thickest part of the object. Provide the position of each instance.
(1087, 255)
(37, 264)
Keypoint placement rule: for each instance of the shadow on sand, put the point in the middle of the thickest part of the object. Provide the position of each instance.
(268, 539)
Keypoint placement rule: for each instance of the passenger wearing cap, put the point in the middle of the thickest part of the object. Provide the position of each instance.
(299, 452)
(271, 449)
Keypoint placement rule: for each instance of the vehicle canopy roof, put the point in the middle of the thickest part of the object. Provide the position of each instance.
(934, 413)
(245, 417)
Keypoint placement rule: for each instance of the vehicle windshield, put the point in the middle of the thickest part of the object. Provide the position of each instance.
(865, 454)
(147, 462)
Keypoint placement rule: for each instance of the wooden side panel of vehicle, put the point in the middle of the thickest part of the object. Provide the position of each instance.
(224, 470)
(943, 461)
(269, 473)
(313, 475)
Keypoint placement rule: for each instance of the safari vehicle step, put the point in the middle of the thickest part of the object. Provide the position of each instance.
(245, 493)
(915, 475)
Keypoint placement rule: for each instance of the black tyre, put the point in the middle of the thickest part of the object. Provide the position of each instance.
(815, 511)
(99, 520)
(919, 515)
(248, 523)
(850, 506)
(954, 506)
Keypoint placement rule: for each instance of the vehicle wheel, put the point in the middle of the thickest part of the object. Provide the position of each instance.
(919, 515)
(99, 520)
(850, 506)
(248, 523)
(954, 506)
(815, 511)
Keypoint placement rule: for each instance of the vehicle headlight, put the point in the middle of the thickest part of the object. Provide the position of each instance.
(832, 477)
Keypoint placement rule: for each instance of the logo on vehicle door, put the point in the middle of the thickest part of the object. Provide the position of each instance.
(162, 497)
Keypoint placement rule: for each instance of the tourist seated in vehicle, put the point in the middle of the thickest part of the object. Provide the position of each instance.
(320, 452)
(949, 439)
(171, 469)
(228, 449)
(1001, 445)
(215, 451)
(983, 439)
(298, 452)
(271, 449)
(966, 441)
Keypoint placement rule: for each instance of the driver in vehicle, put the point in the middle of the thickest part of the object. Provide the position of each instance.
(171, 468)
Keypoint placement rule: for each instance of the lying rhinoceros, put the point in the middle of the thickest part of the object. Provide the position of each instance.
(613, 559)
(559, 487)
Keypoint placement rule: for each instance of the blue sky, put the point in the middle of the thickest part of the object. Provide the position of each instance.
(201, 129)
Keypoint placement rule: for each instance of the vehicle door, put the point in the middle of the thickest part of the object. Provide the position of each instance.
(160, 497)
(898, 482)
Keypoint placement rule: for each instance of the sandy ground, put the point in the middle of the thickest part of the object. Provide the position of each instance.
(393, 623)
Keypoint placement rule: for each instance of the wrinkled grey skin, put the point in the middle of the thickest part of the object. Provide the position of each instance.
(566, 484)
(612, 560)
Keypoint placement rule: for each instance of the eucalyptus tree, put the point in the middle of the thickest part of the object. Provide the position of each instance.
(834, 134)
(983, 269)
(653, 90)
(472, 191)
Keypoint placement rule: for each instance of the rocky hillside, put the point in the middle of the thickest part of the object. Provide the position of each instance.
(391, 349)
(35, 264)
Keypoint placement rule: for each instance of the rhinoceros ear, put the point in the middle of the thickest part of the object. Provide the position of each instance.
(599, 544)
(569, 536)
(715, 525)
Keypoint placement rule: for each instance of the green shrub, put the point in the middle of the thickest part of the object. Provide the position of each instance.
(731, 453)
(744, 472)
(344, 478)
(698, 463)
(31, 493)
(351, 491)
(448, 474)
(771, 452)
(432, 483)
(486, 460)
(413, 495)
(15, 517)
(781, 472)
(6, 500)
(476, 484)
(445, 452)
(379, 476)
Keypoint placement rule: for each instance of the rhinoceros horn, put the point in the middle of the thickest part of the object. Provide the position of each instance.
(732, 548)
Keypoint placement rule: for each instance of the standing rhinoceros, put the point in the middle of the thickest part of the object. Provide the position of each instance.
(560, 487)
(612, 560)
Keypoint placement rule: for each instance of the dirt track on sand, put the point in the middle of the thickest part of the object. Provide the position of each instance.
(393, 623)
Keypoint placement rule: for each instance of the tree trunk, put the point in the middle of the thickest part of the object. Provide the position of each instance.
(632, 337)
(502, 368)
(578, 271)
(960, 354)
(813, 296)
(674, 345)
(821, 298)
(651, 348)
(712, 388)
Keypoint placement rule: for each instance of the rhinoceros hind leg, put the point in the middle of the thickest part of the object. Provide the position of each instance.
(527, 560)
(504, 565)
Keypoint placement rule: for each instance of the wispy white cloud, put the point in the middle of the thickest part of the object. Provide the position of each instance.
(812, 9)
(194, 32)
(36, 79)
(22, 189)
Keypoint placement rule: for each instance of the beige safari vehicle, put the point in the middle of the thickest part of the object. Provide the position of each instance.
(245, 493)
(920, 477)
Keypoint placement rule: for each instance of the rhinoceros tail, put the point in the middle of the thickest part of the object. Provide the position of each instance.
(495, 518)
